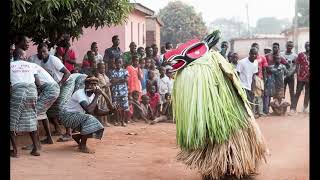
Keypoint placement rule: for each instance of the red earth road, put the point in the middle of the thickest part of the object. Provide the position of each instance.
(150, 155)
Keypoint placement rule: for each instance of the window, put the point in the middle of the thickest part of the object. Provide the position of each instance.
(138, 33)
(143, 34)
(131, 31)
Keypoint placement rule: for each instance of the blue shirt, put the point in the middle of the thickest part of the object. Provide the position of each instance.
(119, 89)
(144, 79)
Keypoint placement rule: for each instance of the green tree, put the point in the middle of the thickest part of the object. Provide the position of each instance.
(42, 19)
(230, 28)
(181, 23)
(303, 13)
(271, 25)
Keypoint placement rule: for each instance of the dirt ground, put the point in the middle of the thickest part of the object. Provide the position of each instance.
(150, 154)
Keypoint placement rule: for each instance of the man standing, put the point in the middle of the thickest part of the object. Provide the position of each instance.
(267, 50)
(66, 54)
(96, 56)
(21, 42)
(141, 52)
(127, 56)
(276, 51)
(155, 55)
(224, 49)
(12, 47)
(23, 91)
(149, 52)
(262, 75)
(290, 57)
(113, 52)
(49, 92)
(303, 75)
(169, 46)
(60, 74)
(246, 69)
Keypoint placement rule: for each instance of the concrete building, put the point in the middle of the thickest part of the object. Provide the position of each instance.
(302, 37)
(242, 45)
(134, 29)
(153, 30)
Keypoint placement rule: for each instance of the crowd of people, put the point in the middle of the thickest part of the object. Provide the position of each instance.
(117, 88)
(123, 87)
(267, 76)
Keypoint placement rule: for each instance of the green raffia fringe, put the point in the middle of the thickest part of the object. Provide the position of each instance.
(206, 104)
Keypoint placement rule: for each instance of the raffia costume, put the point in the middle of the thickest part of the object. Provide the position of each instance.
(216, 129)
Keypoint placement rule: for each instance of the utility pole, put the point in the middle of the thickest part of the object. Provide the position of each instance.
(247, 8)
(295, 27)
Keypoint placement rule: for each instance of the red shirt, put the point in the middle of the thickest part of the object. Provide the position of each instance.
(154, 101)
(262, 63)
(303, 67)
(70, 53)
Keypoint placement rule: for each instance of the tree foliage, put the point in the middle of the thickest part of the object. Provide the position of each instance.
(303, 10)
(230, 28)
(271, 25)
(181, 23)
(41, 19)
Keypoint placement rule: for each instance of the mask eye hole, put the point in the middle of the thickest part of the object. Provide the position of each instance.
(177, 64)
(196, 51)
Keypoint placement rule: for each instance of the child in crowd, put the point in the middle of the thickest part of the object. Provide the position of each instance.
(147, 63)
(111, 66)
(167, 107)
(144, 77)
(154, 100)
(104, 84)
(135, 76)
(279, 71)
(76, 69)
(171, 80)
(119, 90)
(166, 112)
(258, 88)
(163, 84)
(279, 107)
(234, 59)
(154, 69)
(152, 80)
(88, 63)
(141, 110)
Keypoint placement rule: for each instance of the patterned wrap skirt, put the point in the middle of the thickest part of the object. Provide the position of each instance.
(48, 95)
(85, 123)
(66, 92)
(23, 114)
(79, 82)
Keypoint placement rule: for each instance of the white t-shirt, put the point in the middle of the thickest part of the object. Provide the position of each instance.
(34, 59)
(163, 85)
(289, 57)
(247, 69)
(79, 96)
(22, 72)
(43, 75)
(98, 58)
(53, 67)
